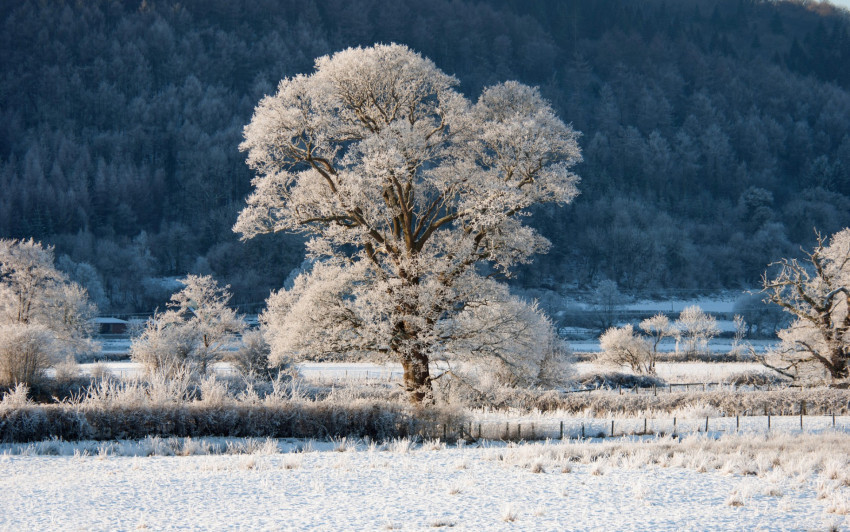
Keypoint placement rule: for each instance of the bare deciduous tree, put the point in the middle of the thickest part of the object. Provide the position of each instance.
(815, 291)
(657, 328)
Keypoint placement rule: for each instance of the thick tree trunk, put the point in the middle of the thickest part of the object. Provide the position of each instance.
(838, 369)
(417, 378)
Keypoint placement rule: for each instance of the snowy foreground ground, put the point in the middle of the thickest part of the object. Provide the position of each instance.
(736, 483)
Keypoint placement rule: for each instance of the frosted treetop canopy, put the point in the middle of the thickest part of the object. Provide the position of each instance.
(367, 114)
(407, 190)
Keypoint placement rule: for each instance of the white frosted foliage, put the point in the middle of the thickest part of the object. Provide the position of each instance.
(409, 193)
(694, 329)
(193, 333)
(44, 317)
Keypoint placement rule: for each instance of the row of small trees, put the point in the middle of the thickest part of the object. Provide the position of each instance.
(45, 319)
(638, 349)
(815, 347)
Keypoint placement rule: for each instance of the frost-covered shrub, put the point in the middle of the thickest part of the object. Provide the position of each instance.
(100, 371)
(17, 397)
(694, 329)
(620, 380)
(622, 347)
(754, 378)
(506, 342)
(194, 333)
(66, 370)
(25, 352)
(252, 358)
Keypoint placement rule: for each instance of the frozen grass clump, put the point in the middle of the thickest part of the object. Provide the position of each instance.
(614, 380)
(17, 397)
(508, 513)
(400, 445)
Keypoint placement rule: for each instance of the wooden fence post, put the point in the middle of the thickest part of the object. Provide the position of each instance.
(562, 430)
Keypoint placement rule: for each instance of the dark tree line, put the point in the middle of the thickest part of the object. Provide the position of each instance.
(716, 132)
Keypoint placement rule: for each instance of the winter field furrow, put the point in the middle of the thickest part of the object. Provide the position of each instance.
(735, 483)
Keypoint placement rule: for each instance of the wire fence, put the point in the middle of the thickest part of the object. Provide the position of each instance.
(587, 428)
(688, 387)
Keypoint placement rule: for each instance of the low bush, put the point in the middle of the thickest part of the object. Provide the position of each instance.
(754, 378)
(619, 380)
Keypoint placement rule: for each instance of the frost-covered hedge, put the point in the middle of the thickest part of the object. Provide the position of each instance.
(776, 402)
(373, 419)
(132, 410)
(376, 420)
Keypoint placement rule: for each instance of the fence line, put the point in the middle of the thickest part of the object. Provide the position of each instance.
(584, 428)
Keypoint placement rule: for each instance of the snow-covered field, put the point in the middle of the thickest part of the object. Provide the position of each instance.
(672, 372)
(788, 483)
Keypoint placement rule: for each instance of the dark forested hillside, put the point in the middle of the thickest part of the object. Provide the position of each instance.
(716, 133)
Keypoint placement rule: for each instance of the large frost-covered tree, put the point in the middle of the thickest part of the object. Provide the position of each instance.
(815, 291)
(413, 198)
